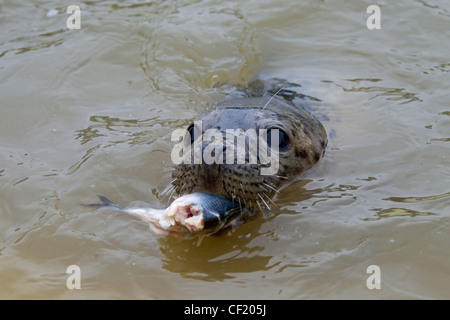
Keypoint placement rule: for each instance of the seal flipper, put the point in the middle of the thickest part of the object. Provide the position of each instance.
(106, 204)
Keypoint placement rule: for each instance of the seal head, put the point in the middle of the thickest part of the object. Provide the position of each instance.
(295, 140)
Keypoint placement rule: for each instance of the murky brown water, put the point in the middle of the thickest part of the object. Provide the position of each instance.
(90, 111)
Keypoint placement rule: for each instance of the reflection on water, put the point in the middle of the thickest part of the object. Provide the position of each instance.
(441, 139)
(398, 212)
(39, 41)
(116, 131)
(392, 93)
(89, 153)
(122, 126)
(209, 33)
(217, 258)
(417, 199)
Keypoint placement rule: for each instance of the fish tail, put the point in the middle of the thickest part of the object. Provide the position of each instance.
(106, 204)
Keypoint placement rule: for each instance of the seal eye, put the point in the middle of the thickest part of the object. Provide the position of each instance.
(193, 132)
(283, 139)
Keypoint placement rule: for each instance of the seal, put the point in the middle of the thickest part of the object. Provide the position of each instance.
(301, 143)
(215, 193)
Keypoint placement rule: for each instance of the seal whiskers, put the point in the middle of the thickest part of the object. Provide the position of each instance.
(269, 186)
(265, 203)
(278, 91)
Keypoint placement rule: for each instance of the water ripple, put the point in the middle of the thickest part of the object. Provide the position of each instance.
(131, 131)
(397, 212)
(417, 199)
(391, 93)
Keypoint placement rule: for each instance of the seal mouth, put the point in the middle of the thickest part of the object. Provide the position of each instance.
(240, 183)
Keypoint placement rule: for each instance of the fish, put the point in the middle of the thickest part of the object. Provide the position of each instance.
(190, 213)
